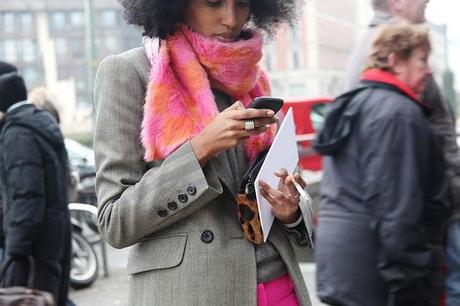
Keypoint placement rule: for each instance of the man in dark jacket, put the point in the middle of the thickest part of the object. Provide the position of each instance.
(4, 68)
(442, 121)
(34, 174)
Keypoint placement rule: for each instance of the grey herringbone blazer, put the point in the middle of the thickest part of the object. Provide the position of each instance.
(187, 249)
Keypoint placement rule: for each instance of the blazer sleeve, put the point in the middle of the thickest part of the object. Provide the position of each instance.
(135, 198)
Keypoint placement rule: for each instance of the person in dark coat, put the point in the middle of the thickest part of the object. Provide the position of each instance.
(442, 121)
(34, 174)
(4, 68)
(385, 193)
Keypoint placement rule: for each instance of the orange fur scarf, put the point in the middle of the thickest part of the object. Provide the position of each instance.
(180, 103)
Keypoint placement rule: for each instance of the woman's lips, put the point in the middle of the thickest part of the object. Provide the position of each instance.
(226, 38)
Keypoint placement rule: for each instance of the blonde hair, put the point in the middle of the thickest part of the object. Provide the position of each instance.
(43, 99)
(401, 39)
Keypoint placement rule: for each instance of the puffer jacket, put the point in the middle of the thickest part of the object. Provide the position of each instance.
(34, 174)
(384, 200)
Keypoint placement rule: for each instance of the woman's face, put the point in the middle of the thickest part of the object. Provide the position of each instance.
(222, 20)
(414, 71)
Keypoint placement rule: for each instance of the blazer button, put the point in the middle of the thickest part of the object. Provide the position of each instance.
(207, 236)
(191, 189)
(172, 205)
(182, 197)
(162, 213)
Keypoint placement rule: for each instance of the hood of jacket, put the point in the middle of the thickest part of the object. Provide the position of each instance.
(342, 113)
(41, 122)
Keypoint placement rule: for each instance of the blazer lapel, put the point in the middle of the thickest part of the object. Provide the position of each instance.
(143, 66)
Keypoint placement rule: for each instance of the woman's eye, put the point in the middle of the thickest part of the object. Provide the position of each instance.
(219, 2)
(214, 2)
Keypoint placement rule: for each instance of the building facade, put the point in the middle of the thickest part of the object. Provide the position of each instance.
(309, 59)
(53, 46)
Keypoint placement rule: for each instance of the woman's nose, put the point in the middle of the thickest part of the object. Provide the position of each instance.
(429, 71)
(229, 18)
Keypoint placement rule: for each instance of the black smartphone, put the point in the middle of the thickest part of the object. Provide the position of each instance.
(274, 104)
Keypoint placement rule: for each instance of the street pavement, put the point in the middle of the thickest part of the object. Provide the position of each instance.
(113, 290)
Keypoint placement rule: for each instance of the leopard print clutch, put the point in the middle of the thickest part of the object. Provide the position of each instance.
(248, 210)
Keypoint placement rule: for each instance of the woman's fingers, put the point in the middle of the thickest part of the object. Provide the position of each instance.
(289, 181)
(251, 113)
(300, 180)
(273, 196)
(278, 197)
(284, 206)
(235, 106)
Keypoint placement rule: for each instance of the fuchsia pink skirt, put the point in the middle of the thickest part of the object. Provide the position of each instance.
(277, 292)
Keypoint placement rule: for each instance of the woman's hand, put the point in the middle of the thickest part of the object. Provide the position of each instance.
(228, 129)
(284, 200)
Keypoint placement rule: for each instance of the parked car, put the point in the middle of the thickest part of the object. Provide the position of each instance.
(82, 161)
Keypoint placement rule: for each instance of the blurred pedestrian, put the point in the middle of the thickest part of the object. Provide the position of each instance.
(442, 121)
(4, 68)
(42, 100)
(34, 174)
(172, 194)
(385, 12)
(41, 97)
(384, 195)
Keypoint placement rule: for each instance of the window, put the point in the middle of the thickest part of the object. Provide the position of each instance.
(270, 57)
(30, 77)
(10, 50)
(297, 89)
(295, 60)
(28, 50)
(109, 18)
(294, 34)
(58, 20)
(81, 85)
(268, 62)
(78, 48)
(295, 52)
(61, 47)
(63, 73)
(77, 18)
(8, 22)
(318, 114)
(111, 44)
(277, 88)
(26, 22)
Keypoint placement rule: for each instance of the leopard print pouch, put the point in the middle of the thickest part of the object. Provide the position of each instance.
(248, 211)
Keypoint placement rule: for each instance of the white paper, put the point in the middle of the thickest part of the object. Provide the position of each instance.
(283, 153)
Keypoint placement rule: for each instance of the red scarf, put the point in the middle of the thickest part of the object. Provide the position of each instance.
(385, 77)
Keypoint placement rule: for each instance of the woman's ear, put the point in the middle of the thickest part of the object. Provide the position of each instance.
(393, 62)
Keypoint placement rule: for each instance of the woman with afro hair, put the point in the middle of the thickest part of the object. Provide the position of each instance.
(173, 140)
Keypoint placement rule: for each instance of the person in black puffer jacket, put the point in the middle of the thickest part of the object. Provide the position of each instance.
(34, 174)
(4, 68)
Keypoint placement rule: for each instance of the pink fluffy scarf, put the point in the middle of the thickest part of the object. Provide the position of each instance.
(180, 103)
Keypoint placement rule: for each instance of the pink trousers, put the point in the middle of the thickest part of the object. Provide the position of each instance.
(277, 292)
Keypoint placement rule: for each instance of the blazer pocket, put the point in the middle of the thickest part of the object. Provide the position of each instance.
(161, 252)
